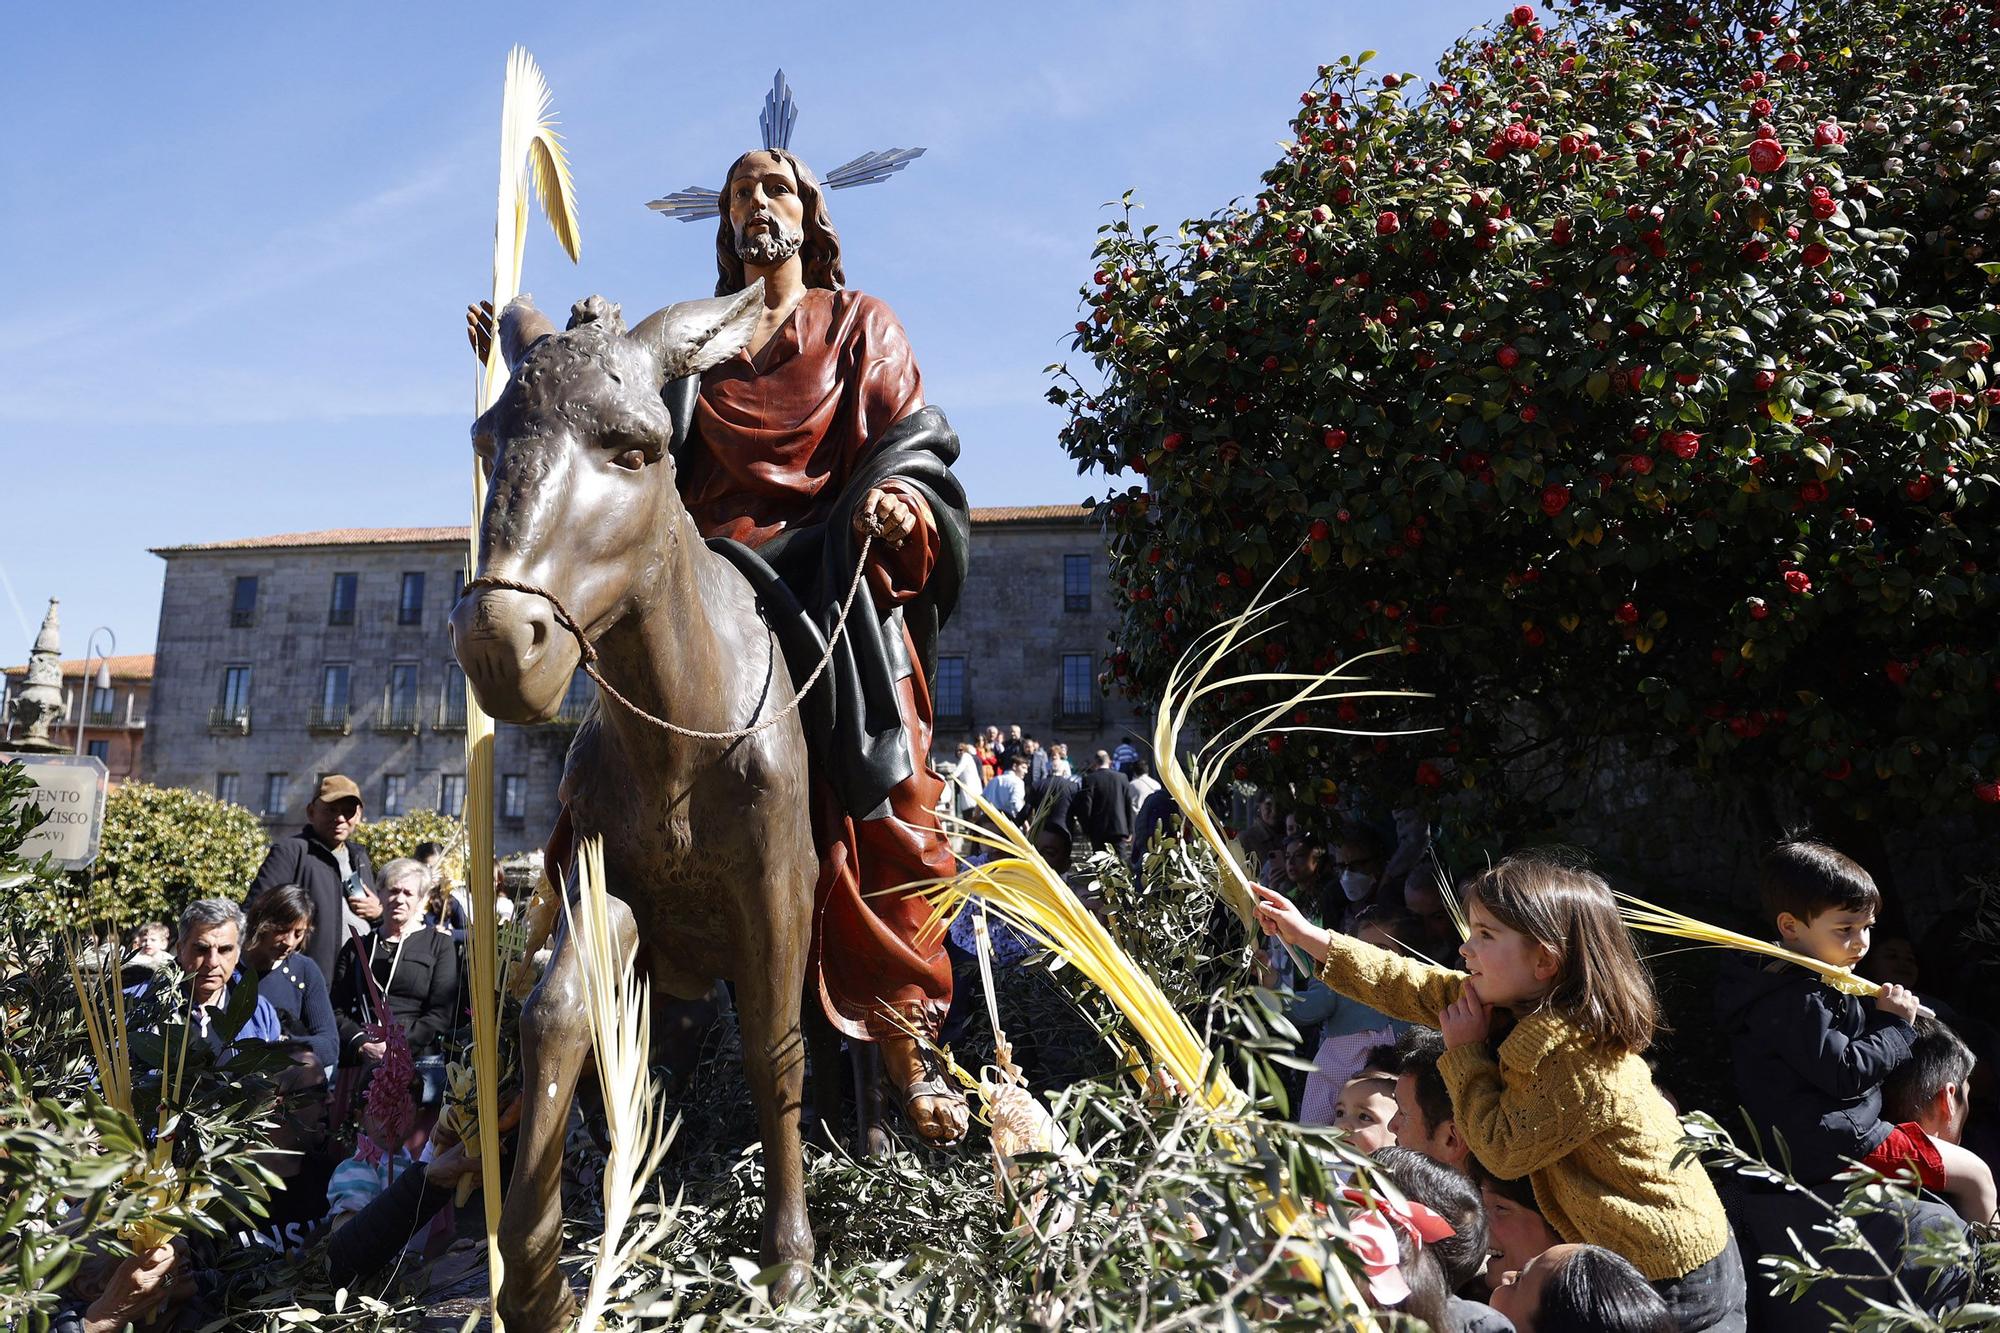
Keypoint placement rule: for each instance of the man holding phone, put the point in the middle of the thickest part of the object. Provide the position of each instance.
(335, 872)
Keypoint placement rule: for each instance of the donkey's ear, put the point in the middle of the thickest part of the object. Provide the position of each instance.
(688, 338)
(521, 326)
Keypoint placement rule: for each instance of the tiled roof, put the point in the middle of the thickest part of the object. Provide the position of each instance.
(411, 536)
(130, 666)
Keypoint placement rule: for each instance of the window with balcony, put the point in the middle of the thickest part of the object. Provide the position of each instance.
(232, 701)
(332, 711)
(514, 796)
(103, 705)
(229, 787)
(274, 794)
(1076, 583)
(395, 791)
(410, 601)
(399, 706)
(1077, 700)
(451, 795)
(340, 609)
(99, 750)
(451, 701)
(243, 602)
(950, 705)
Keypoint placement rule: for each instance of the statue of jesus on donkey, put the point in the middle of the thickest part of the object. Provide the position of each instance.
(691, 497)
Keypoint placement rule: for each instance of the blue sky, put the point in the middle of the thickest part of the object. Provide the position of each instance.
(239, 239)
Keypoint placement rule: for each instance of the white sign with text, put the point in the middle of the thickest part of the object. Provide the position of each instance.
(71, 788)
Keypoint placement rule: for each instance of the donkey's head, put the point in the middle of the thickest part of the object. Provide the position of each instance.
(581, 499)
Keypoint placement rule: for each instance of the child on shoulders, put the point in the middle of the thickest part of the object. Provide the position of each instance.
(1810, 1061)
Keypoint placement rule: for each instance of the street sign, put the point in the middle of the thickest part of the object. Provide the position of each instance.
(71, 788)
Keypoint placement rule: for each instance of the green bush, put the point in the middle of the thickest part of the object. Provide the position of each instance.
(163, 847)
(1631, 381)
(386, 839)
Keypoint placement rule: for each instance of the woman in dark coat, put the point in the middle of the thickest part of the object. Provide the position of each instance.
(415, 967)
(280, 920)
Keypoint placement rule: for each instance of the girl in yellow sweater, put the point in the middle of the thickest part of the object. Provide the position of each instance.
(1564, 1099)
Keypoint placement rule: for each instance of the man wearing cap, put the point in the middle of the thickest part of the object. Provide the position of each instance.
(336, 873)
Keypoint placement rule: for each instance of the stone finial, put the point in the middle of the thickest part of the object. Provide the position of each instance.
(38, 704)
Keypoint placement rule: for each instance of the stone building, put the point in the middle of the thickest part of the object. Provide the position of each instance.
(283, 658)
(114, 714)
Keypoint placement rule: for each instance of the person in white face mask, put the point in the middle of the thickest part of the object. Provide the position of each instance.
(1358, 859)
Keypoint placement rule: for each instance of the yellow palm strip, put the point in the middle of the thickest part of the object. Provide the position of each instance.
(1655, 920)
(531, 154)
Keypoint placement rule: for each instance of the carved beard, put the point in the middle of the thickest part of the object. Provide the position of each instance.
(773, 246)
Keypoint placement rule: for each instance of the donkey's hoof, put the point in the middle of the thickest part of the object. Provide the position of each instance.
(541, 1312)
(790, 1283)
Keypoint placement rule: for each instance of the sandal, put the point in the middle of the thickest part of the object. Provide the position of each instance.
(933, 1080)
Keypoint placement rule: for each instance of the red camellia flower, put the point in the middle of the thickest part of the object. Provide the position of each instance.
(1555, 499)
(1919, 488)
(1387, 224)
(1173, 441)
(1797, 582)
(1897, 672)
(1812, 492)
(1822, 203)
(1321, 530)
(1333, 438)
(1275, 744)
(1839, 772)
(1681, 443)
(1976, 351)
(1507, 357)
(1988, 792)
(1428, 775)
(1814, 255)
(1522, 16)
(1628, 614)
(1758, 608)
(1763, 380)
(1766, 156)
(1757, 251)
(1535, 635)
(1942, 398)
(1641, 464)
(1828, 134)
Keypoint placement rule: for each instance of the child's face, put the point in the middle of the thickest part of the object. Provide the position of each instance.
(1837, 937)
(153, 939)
(1518, 1234)
(1364, 1108)
(1510, 968)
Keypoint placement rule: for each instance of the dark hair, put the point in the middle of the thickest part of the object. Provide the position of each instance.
(1429, 1298)
(276, 909)
(1600, 985)
(1417, 1053)
(1938, 1060)
(1807, 878)
(1139, 768)
(1597, 1291)
(425, 850)
(819, 256)
(1451, 1196)
(1520, 1192)
(1365, 835)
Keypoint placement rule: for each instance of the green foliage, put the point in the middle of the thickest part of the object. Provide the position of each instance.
(163, 847)
(386, 839)
(1636, 383)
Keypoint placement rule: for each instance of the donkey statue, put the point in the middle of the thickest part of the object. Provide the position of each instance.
(707, 844)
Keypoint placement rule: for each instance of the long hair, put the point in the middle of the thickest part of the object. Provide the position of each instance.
(1598, 1291)
(820, 255)
(277, 909)
(1600, 984)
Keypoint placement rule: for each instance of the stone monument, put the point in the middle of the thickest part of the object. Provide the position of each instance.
(38, 704)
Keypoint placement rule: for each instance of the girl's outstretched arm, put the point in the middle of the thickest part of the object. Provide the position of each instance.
(1390, 983)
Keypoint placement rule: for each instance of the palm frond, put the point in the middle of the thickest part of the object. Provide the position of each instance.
(619, 1007)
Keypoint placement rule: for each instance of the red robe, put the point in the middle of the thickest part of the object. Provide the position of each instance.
(775, 440)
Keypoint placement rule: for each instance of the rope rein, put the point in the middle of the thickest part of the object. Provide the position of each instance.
(588, 651)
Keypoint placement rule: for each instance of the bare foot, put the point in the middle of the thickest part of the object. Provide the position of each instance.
(935, 1109)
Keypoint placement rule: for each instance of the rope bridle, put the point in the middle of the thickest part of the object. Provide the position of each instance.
(588, 652)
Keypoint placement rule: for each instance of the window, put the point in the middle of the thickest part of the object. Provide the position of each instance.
(401, 706)
(243, 602)
(576, 699)
(1076, 583)
(1079, 685)
(457, 585)
(451, 704)
(395, 788)
(103, 703)
(950, 700)
(333, 700)
(451, 795)
(98, 750)
(233, 701)
(410, 604)
(514, 796)
(340, 611)
(274, 793)
(228, 787)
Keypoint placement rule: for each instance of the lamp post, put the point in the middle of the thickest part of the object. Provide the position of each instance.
(102, 681)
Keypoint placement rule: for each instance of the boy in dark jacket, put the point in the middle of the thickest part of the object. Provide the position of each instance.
(1810, 1060)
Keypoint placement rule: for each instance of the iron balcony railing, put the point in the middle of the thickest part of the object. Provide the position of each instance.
(233, 719)
(333, 718)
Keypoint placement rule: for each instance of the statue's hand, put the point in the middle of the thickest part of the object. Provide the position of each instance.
(479, 329)
(887, 515)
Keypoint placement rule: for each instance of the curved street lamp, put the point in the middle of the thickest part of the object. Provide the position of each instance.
(102, 681)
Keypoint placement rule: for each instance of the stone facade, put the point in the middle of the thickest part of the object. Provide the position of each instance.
(114, 724)
(243, 705)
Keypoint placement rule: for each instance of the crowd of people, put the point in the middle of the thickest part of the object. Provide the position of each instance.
(1501, 1080)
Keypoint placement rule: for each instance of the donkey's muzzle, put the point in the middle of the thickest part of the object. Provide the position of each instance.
(517, 658)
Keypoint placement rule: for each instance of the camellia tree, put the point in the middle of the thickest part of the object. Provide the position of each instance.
(1629, 380)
